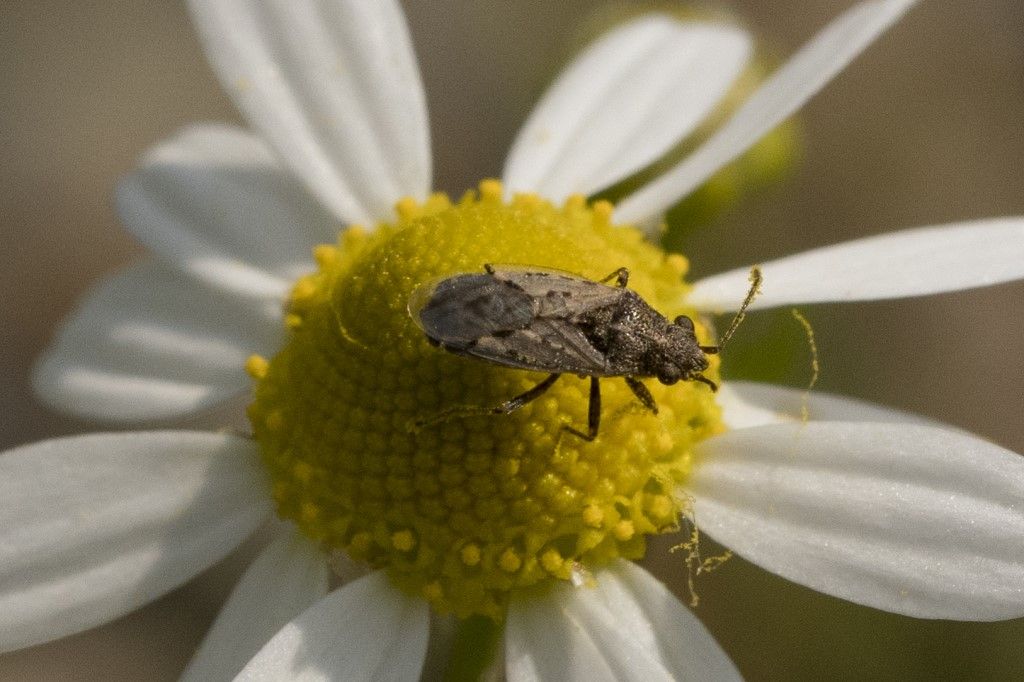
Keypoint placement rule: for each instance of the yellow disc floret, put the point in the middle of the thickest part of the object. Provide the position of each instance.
(467, 508)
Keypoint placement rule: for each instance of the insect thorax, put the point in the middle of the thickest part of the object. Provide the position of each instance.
(639, 341)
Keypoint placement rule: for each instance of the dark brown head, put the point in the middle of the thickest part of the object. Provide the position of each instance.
(679, 356)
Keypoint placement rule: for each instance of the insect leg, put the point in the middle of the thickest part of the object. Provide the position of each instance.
(345, 333)
(621, 277)
(468, 411)
(523, 398)
(593, 413)
(704, 380)
(641, 392)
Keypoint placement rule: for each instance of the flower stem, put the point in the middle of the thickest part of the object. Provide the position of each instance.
(473, 648)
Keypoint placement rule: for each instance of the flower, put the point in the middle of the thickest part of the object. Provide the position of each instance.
(879, 512)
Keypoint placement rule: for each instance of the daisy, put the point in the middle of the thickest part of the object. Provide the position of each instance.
(495, 518)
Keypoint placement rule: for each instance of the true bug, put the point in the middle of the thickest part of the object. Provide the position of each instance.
(550, 321)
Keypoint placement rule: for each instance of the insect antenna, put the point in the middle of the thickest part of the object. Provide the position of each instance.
(755, 288)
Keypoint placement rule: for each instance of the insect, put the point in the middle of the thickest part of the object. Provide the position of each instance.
(546, 320)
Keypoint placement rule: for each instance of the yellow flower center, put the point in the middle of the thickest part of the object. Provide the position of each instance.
(467, 508)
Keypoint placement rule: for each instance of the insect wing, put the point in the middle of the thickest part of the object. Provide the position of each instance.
(459, 310)
(559, 294)
(549, 345)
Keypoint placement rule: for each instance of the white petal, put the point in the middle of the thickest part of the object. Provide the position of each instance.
(810, 69)
(907, 518)
(288, 576)
(623, 103)
(367, 630)
(93, 527)
(215, 202)
(661, 622)
(149, 344)
(630, 627)
(746, 404)
(333, 86)
(926, 260)
(439, 650)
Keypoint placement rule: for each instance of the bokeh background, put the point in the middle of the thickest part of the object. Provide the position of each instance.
(927, 127)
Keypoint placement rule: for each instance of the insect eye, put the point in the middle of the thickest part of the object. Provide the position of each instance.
(684, 322)
(668, 375)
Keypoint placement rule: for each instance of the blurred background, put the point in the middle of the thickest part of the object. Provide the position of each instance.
(925, 128)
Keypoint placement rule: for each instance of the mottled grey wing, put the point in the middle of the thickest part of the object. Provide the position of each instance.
(549, 345)
(559, 294)
(461, 309)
